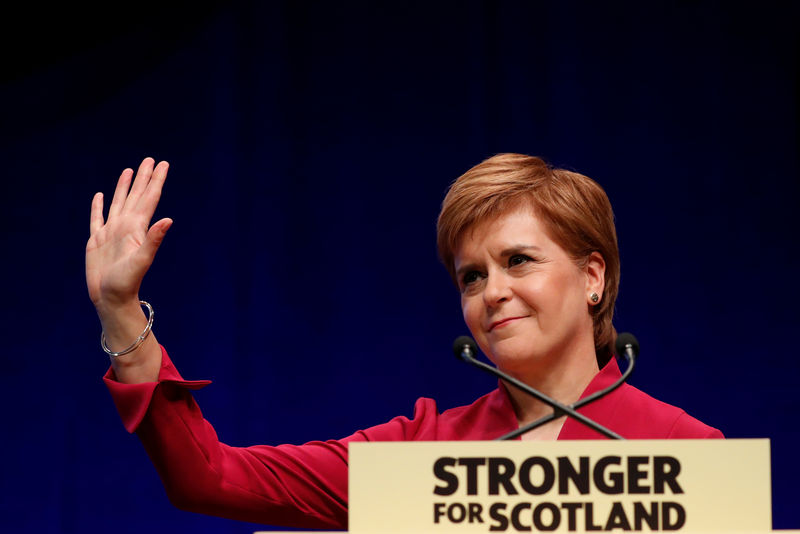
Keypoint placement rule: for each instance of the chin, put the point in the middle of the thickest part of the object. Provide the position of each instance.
(514, 354)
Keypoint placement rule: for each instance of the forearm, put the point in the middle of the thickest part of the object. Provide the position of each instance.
(301, 486)
(289, 486)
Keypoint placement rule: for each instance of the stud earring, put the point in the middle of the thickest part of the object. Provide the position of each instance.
(594, 298)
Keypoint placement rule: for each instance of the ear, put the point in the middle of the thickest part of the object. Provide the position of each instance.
(595, 271)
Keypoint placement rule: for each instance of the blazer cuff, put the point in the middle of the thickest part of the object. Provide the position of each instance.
(133, 400)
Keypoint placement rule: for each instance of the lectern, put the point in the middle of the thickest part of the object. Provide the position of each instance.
(560, 486)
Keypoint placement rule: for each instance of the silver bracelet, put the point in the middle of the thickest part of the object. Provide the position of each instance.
(139, 340)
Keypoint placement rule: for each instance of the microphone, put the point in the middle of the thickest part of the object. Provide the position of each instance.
(464, 345)
(627, 342)
(464, 349)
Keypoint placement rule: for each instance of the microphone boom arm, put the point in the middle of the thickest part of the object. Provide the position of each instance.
(560, 409)
(629, 356)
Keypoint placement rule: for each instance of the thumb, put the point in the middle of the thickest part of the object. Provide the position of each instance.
(155, 235)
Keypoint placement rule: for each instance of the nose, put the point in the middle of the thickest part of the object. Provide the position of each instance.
(497, 289)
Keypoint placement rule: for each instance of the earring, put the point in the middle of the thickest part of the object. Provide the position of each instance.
(594, 298)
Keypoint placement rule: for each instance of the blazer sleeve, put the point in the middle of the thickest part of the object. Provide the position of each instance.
(301, 486)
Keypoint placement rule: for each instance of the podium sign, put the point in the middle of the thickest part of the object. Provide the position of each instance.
(560, 486)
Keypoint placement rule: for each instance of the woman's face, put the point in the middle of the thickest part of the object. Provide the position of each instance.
(523, 298)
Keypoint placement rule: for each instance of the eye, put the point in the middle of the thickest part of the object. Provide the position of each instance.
(470, 278)
(518, 259)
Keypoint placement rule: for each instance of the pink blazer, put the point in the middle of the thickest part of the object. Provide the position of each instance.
(305, 486)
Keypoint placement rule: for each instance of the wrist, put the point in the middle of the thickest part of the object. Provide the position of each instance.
(127, 338)
(110, 306)
(139, 339)
(121, 325)
(112, 314)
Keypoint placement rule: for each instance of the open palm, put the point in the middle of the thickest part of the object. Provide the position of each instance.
(122, 248)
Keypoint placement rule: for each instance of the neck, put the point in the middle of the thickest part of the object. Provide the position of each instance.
(564, 379)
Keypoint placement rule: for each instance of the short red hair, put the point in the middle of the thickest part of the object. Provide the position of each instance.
(574, 209)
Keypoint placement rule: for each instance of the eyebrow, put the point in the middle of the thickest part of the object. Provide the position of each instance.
(508, 251)
(518, 248)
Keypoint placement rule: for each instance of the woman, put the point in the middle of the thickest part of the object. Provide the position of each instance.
(533, 251)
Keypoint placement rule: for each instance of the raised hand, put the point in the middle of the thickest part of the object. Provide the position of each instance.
(122, 248)
(118, 254)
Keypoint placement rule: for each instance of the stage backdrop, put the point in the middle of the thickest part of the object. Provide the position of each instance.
(310, 147)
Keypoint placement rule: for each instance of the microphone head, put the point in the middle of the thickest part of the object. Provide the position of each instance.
(464, 342)
(625, 339)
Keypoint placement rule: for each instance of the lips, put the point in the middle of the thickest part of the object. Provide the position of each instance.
(503, 322)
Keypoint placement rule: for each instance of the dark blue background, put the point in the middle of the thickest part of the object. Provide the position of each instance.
(310, 146)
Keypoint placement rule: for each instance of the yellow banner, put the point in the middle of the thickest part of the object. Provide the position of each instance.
(561, 486)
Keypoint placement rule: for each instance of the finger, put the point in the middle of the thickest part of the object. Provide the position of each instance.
(149, 201)
(123, 184)
(155, 235)
(139, 184)
(96, 218)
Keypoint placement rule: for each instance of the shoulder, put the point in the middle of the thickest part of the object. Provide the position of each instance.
(487, 418)
(645, 417)
(633, 414)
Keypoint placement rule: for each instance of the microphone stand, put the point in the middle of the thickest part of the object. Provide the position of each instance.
(560, 409)
(630, 356)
